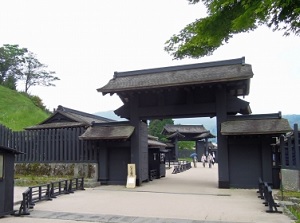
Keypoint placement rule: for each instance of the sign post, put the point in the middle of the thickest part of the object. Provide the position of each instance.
(131, 176)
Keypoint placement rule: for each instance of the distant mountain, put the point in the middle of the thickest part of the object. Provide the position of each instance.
(110, 115)
(293, 119)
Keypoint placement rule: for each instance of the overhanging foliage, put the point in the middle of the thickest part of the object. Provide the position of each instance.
(228, 17)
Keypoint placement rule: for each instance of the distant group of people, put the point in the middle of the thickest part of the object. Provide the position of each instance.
(210, 159)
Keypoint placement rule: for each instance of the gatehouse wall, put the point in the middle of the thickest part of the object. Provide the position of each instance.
(250, 158)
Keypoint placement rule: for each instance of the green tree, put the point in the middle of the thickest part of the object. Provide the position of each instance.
(18, 64)
(228, 17)
(11, 57)
(34, 73)
(186, 145)
(10, 82)
(156, 126)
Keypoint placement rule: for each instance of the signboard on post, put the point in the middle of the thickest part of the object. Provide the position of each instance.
(131, 176)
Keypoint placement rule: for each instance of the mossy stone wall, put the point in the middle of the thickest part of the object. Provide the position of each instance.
(290, 179)
(57, 169)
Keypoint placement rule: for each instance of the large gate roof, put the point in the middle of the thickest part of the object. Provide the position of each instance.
(182, 91)
(192, 74)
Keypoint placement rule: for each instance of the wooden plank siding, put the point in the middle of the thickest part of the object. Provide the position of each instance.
(49, 145)
(4, 136)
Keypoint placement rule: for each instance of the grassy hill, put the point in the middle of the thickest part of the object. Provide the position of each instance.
(18, 111)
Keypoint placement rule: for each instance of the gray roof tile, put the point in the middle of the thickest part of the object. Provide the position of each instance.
(255, 127)
(213, 72)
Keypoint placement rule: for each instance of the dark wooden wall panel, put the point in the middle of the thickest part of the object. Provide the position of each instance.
(49, 145)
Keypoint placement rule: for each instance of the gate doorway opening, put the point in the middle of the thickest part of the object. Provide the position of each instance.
(191, 139)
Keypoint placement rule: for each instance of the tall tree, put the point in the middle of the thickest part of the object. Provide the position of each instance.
(34, 73)
(228, 17)
(11, 57)
(156, 126)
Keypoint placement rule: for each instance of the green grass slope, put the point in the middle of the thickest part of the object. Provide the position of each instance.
(18, 111)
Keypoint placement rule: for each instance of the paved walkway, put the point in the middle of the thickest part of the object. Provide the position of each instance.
(191, 196)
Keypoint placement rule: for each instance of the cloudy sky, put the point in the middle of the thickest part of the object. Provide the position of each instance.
(85, 42)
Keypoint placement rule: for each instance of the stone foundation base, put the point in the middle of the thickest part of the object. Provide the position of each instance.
(290, 179)
(86, 170)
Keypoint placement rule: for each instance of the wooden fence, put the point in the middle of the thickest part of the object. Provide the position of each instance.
(5, 136)
(49, 145)
(289, 147)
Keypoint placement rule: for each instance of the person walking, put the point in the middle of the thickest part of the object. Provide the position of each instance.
(214, 158)
(195, 160)
(203, 160)
(209, 160)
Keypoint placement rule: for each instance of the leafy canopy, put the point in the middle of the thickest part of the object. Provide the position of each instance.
(11, 57)
(156, 127)
(35, 73)
(228, 17)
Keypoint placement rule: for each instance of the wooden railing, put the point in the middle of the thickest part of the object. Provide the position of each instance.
(48, 191)
(181, 166)
(265, 193)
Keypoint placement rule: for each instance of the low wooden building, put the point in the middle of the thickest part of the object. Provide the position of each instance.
(7, 160)
(112, 142)
(70, 137)
(250, 139)
(55, 140)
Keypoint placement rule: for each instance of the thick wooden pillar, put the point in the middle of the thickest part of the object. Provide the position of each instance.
(223, 164)
(103, 165)
(176, 148)
(139, 142)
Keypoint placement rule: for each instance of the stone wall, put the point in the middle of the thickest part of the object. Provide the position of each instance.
(290, 179)
(86, 170)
